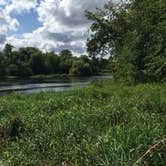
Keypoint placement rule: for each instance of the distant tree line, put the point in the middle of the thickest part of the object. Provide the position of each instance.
(30, 61)
(133, 34)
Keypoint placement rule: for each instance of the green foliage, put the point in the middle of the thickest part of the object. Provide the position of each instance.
(66, 54)
(131, 32)
(37, 63)
(30, 61)
(24, 69)
(81, 68)
(8, 50)
(13, 70)
(2, 65)
(66, 61)
(51, 63)
(126, 74)
(103, 124)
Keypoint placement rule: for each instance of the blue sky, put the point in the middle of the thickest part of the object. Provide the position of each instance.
(50, 25)
(28, 22)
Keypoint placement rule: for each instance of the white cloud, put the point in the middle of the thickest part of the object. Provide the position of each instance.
(64, 25)
(7, 23)
(48, 41)
(9, 6)
(20, 6)
(3, 2)
(66, 14)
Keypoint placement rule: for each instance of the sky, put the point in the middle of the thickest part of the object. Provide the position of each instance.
(50, 25)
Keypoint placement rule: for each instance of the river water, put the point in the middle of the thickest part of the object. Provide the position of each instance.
(44, 85)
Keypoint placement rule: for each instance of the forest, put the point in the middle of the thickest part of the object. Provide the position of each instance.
(30, 61)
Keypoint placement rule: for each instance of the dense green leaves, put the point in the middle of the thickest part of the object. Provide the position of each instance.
(134, 34)
(30, 61)
(81, 68)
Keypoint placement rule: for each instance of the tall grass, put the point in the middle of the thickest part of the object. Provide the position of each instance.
(104, 124)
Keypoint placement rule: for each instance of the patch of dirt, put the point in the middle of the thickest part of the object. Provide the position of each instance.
(14, 130)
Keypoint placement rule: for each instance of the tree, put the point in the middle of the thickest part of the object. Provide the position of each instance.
(24, 70)
(81, 68)
(65, 61)
(52, 63)
(133, 34)
(8, 49)
(2, 65)
(29, 61)
(13, 70)
(37, 63)
(8, 52)
(66, 53)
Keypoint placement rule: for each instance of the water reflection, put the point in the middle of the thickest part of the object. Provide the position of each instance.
(56, 84)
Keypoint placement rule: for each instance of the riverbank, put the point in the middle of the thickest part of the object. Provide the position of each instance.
(104, 124)
(49, 76)
(36, 77)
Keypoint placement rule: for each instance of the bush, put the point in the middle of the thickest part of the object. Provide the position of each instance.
(80, 68)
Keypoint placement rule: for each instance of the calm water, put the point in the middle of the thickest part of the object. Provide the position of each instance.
(36, 86)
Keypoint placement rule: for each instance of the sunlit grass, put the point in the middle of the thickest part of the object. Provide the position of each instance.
(104, 124)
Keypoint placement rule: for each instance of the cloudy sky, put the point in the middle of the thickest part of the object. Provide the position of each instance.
(50, 25)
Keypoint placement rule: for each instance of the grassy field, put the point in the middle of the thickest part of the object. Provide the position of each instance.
(103, 124)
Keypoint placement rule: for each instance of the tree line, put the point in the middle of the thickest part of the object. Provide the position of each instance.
(133, 34)
(30, 61)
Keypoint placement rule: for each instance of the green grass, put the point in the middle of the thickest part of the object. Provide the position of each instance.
(104, 124)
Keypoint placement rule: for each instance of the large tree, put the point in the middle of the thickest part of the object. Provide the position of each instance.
(2, 65)
(133, 34)
(65, 61)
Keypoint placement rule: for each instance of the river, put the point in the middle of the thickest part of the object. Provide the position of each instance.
(44, 85)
